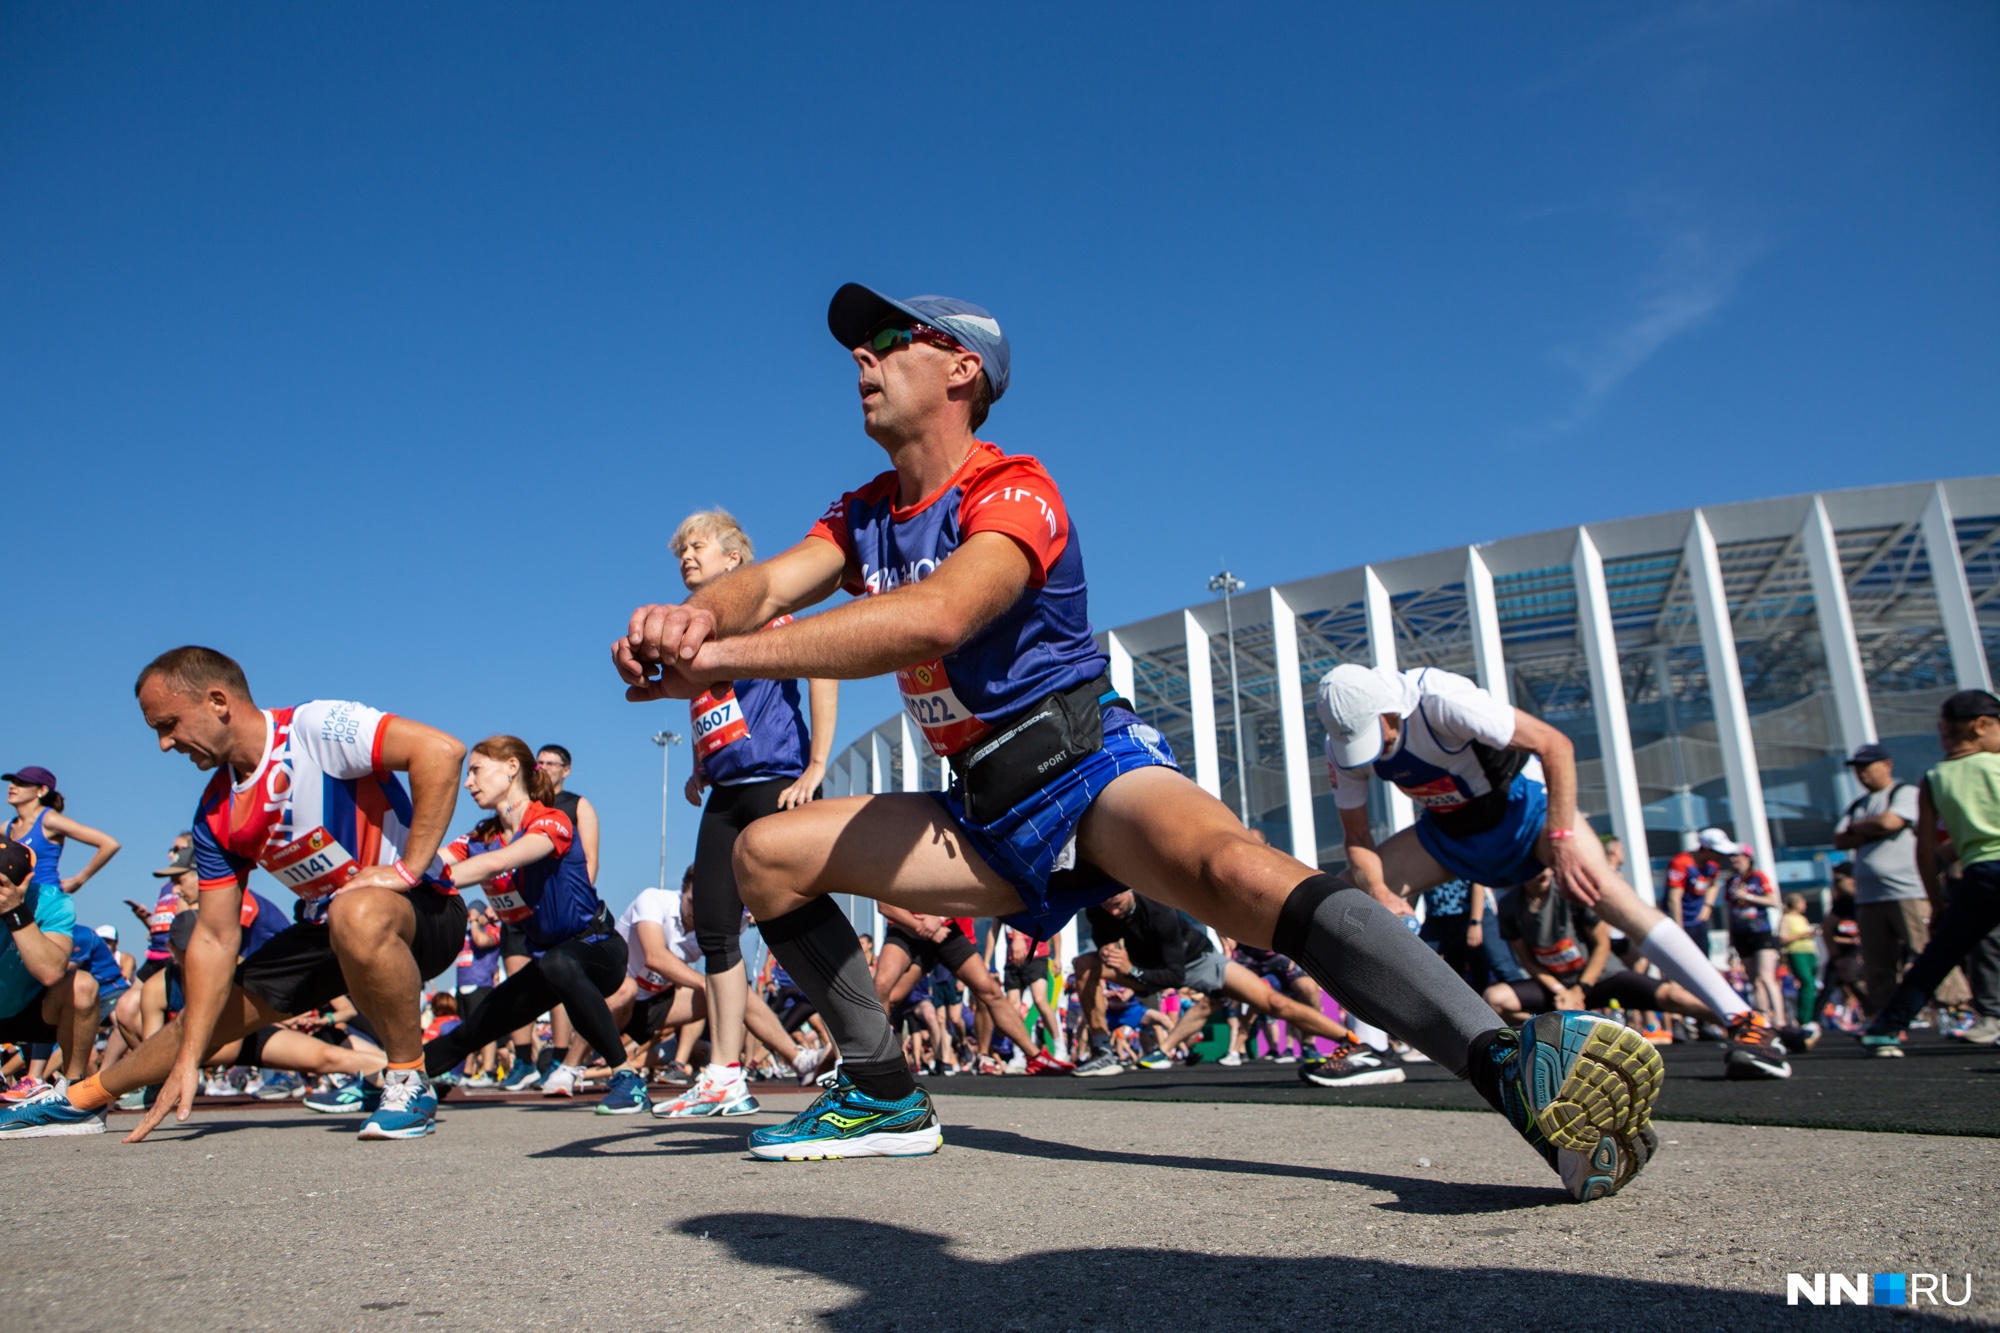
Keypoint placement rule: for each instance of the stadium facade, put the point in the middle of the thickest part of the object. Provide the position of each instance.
(1713, 666)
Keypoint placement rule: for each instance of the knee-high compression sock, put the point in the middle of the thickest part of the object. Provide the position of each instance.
(1382, 973)
(1683, 962)
(819, 948)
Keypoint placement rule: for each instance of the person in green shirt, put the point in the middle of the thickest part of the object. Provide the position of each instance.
(1963, 794)
(1799, 938)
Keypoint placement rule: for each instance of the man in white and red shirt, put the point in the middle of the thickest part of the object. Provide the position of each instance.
(310, 794)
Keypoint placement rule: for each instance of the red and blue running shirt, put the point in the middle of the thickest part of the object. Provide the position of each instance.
(749, 730)
(316, 810)
(1036, 647)
(551, 899)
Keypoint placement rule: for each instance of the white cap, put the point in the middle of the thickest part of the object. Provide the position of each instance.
(107, 932)
(1351, 698)
(1715, 840)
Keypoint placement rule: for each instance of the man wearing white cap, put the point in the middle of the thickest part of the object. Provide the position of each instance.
(1496, 793)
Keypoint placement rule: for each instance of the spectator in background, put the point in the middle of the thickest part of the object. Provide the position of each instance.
(1749, 896)
(1960, 799)
(1798, 938)
(1891, 906)
(1692, 885)
(1842, 932)
(1454, 920)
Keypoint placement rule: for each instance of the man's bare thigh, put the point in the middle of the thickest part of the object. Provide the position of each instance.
(1407, 868)
(900, 848)
(1160, 835)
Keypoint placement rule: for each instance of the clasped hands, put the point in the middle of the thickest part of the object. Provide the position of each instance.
(665, 653)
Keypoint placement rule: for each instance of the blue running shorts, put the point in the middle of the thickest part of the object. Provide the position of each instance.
(1035, 842)
(1504, 855)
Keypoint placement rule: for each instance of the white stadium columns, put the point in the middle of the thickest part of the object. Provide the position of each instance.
(1121, 668)
(1954, 595)
(913, 775)
(1292, 726)
(1382, 653)
(1607, 697)
(1483, 612)
(1851, 706)
(1201, 707)
(1725, 687)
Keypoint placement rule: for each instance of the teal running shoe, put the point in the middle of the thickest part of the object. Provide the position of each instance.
(48, 1115)
(844, 1122)
(348, 1095)
(1580, 1089)
(1882, 1045)
(408, 1110)
(626, 1095)
(1155, 1060)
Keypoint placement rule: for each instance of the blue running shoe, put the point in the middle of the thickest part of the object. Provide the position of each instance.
(626, 1095)
(843, 1122)
(48, 1115)
(521, 1077)
(1580, 1089)
(408, 1109)
(347, 1096)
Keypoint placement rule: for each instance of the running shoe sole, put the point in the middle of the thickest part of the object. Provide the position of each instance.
(373, 1131)
(1610, 1088)
(94, 1125)
(637, 1109)
(1604, 1170)
(1360, 1079)
(914, 1143)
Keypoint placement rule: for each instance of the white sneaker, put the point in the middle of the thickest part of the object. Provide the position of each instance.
(217, 1087)
(1231, 1060)
(1019, 1064)
(808, 1061)
(561, 1081)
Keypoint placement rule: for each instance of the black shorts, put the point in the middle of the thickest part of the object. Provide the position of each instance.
(514, 941)
(1630, 989)
(953, 950)
(297, 969)
(152, 965)
(28, 1026)
(649, 1015)
(1748, 943)
(1023, 977)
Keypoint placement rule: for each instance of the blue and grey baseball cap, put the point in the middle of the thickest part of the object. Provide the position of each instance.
(858, 311)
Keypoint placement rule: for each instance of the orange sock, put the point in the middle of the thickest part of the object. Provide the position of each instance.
(88, 1095)
(417, 1063)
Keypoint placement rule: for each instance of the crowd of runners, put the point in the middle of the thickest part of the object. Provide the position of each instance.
(385, 965)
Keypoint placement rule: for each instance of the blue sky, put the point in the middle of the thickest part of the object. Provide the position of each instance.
(384, 349)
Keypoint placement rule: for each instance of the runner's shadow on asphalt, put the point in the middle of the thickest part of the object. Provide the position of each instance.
(685, 1139)
(1414, 1194)
(905, 1281)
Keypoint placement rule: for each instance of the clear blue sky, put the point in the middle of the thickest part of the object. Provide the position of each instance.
(384, 348)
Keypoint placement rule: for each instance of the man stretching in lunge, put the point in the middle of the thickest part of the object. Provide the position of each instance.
(309, 793)
(974, 595)
(1496, 791)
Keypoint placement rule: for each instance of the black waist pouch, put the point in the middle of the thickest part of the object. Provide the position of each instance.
(1032, 749)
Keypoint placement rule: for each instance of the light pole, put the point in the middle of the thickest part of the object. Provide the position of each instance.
(666, 740)
(1229, 585)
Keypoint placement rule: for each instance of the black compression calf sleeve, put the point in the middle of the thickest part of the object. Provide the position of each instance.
(1381, 972)
(819, 948)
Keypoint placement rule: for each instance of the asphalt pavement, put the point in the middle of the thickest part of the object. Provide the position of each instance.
(1040, 1213)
